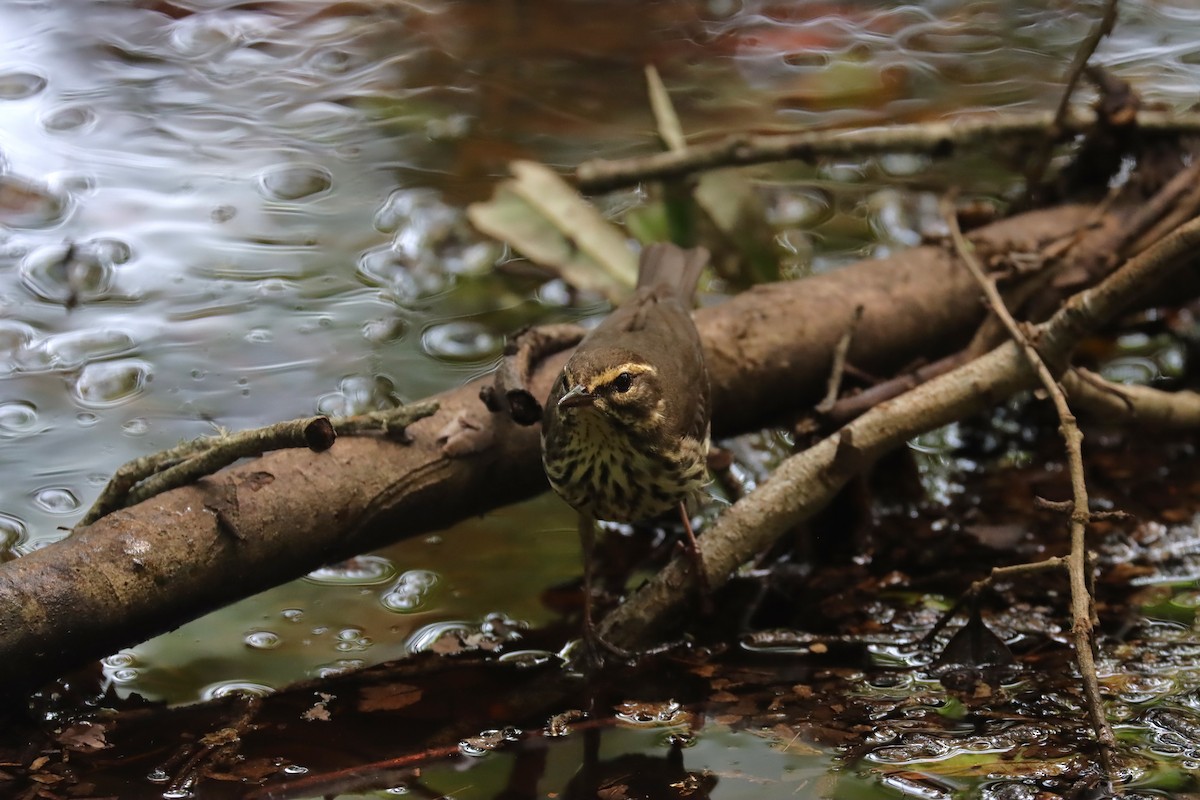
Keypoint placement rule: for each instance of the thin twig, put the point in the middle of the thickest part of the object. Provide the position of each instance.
(313, 432)
(839, 363)
(847, 408)
(1082, 604)
(1068, 507)
(1041, 159)
(1054, 563)
(142, 478)
(224, 450)
(391, 422)
(933, 138)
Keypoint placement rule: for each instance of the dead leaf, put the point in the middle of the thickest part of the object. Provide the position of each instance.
(83, 736)
(544, 218)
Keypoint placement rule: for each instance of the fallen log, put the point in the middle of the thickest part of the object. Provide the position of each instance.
(149, 568)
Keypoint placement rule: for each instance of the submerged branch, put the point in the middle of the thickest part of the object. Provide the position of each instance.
(931, 138)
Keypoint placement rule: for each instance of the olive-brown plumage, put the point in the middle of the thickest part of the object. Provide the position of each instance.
(625, 431)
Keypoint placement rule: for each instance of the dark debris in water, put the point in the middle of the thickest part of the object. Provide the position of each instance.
(819, 652)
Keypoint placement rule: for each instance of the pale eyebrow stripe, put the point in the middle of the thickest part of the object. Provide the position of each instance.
(633, 368)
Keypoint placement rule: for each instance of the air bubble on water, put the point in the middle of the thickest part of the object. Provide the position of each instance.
(122, 659)
(468, 748)
(67, 273)
(651, 714)
(359, 394)
(12, 532)
(56, 500)
(461, 340)
(295, 181)
(120, 667)
(401, 600)
(30, 204)
(419, 578)
(358, 571)
(17, 84)
(110, 383)
(68, 119)
(262, 640)
(424, 638)
(527, 658)
(350, 639)
(260, 336)
(17, 418)
(235, 688)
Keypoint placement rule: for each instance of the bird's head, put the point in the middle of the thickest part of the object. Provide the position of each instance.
(616, 384)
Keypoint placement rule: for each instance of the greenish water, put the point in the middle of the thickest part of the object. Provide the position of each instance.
(267, 201)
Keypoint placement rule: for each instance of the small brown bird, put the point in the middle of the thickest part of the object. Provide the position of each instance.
(625, 431)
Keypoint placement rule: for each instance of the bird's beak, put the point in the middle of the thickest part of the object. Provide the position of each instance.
(578, 396)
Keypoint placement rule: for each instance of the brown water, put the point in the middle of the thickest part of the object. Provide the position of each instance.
(266, 207)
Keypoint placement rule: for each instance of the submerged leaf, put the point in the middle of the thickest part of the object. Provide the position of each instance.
(974, 645)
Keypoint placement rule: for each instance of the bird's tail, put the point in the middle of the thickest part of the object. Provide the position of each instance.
(665, 264)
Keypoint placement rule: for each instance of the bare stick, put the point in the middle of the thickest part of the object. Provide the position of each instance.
(933, 138)
(223, 451)
(847, 408)
(145, 477)
(1041, 160)
(150, 475)
(1052, 564)
(1121, 403)
(1082, 604)
(839, 364)
(391, 422)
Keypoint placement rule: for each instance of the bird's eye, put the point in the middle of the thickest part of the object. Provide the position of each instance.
(623, 382)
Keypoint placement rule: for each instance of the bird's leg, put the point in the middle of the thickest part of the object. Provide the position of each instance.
(587, 543)
(592, 640)
(693, 548)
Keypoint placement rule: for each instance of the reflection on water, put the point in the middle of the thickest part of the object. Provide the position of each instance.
(222, 215)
